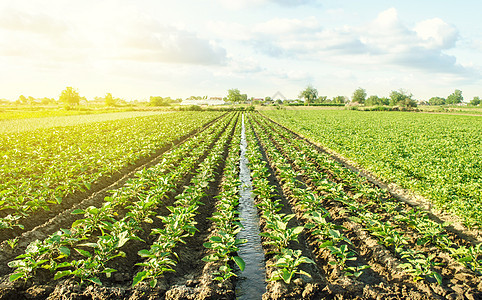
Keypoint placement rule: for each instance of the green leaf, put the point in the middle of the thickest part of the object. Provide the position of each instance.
(216, 239)
(16, 276)
(95, 280)
(239, 262)
(83, 252)
(286, 276)
(61, 274)
(78, 212)
(153, 283)
(64, 250)
(438, 277)
(144, 253)
(140, 276)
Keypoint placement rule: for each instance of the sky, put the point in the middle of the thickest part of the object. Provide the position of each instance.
(140, 48)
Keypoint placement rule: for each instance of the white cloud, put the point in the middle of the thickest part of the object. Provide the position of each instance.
(385, 40)
(40, 37)
(243, 4)
(437, 34)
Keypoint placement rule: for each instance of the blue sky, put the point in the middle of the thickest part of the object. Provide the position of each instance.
(135, 49)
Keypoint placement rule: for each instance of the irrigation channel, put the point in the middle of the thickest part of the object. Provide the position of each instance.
(251, 282)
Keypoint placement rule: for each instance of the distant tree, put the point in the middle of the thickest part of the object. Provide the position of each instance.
(69, 96)
(339, 99)
(476, 101)
(158, 101)
(244, 98)
(322, 99)
(359, 95)
(109, 100)
(436, 101)
(268, 98)
(373, 100)
(401, 98)
(31, 100)
(309, 94)
(234, 95)
(455, 97)
(46, 101)
(21, 100)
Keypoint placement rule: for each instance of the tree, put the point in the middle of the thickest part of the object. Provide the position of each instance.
(309, 94)
(234, 95)
(322, 99)
(455, 97)
(109, 100)
(476, 101)
(69, 96)
(22, 99)
(339, 99)
(436, 101)
(158, 101)
(401, 98)
(359, 95)
(373, 100)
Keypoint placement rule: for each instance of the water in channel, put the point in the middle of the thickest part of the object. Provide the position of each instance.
(251, 282)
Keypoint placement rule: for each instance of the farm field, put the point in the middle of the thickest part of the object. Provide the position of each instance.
(167, 228)
(22, 121)
(43, 168)
(437, 156)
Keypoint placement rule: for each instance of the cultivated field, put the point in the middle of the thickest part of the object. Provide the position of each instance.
(437, 156)
(162, 222)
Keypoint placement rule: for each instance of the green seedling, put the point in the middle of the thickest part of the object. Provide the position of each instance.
(287, 265)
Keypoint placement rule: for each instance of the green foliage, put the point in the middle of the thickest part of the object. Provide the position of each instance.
(400, 148)
(39, 173)
(69, 96)
(359, 95)
(401, 98)
(310, 94)
(234, 96)
(287, 265)
(159, 101)
(475, 101)
(436, 101)
(455, 98)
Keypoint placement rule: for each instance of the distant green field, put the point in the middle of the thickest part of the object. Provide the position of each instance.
(438, 156)
(25, 124)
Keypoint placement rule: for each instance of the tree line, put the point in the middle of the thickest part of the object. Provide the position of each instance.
(396, 98)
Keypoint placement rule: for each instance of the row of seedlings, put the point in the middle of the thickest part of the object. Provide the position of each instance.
(387, 219)
(180, 223)
(53, 176)
(100, 231)
(223, 244)
(286, 262)
(329, 236)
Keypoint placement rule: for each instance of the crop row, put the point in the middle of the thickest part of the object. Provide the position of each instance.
(278, 234)
(396, 226)
(226, 223)
(105, 232)
(436, 156)
(41, 167)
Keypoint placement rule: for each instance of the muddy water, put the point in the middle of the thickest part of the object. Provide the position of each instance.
(251, 282)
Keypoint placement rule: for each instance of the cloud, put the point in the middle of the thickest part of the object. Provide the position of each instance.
(16, 20)
(382, 42)
(437, 34)
(172, 45)
(244, 4)
(136, 36)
